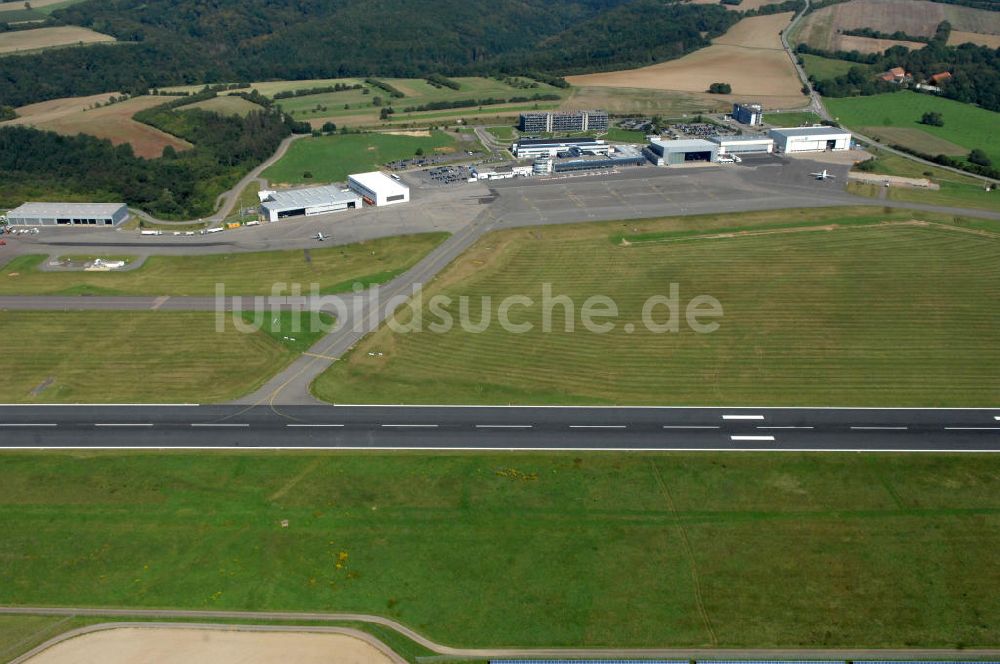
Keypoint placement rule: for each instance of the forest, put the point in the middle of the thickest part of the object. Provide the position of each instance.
(183, 42)
(178, 185)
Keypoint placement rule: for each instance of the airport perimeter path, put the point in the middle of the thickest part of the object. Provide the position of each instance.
(226, 201)
(847, 654)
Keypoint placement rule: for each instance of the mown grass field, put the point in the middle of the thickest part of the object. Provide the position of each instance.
(333, 268)
(525, 550)
(852, 313)
(956, 190)
(132, 357)
(333, 158)
(791, 118)
(822, 68)
(226, 105)
(964, 124)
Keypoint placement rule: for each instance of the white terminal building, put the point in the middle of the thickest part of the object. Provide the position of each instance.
(277, 205)
(68, 214)
(810, 139)
(377, 188)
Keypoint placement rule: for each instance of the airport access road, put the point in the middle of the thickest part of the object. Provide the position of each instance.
(499, 428)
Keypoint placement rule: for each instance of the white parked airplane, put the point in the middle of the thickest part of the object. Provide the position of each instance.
(823, 175)
(320, 237)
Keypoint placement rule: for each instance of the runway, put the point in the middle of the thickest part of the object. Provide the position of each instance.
(526, 428)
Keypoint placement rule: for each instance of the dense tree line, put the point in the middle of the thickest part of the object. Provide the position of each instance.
(981, 165)
(470, 103)
(305, 92)
(183, 42)
(180, 184)
(975, 72)
(898, 35)
(439, 81)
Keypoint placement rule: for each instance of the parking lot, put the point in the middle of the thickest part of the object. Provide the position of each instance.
(440, 176)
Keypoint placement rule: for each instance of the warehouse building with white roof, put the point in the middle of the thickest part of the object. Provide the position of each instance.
(277, 205)
(68, 214)
(810, 139)
(377, 188)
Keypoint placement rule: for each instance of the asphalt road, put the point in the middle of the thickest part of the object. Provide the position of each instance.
(499, 428)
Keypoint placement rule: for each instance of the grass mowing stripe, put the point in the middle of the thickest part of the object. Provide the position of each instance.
(862, 314)
(546, 536)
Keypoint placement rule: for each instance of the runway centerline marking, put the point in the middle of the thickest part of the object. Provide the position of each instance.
(16, 424)
(972, 428)
(691, 426)
(504, 426)
(789, 427)
(411, 426)
(598, 426)
(880, 428)
(761, 438)
(743, 417)
(218, 425)
(313, 425)
(124, 424)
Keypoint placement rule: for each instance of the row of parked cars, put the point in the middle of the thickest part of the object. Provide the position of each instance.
(448, 174)
(18, 231)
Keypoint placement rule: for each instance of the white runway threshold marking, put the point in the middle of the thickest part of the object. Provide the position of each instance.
(743, 417)
(757, 438)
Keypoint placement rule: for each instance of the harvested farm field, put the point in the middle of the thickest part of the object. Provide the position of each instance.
(40, 38)
(919, 18)
(960, 37)
(749, 57)
(77, 115)
(870, 45)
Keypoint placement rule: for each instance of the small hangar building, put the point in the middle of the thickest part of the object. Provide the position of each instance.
(277, 205)
(810, 139)
(68, 214)
(740, 145)
(377, 188)
(673, 153)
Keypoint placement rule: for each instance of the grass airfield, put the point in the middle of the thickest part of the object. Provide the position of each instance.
(834, 307)
(728, 550)
(335, 269)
